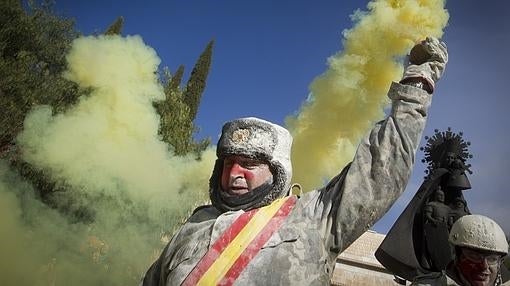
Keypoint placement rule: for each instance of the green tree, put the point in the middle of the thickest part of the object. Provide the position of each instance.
(176, 128)
(33, 45)
(180, 107)
(175, 81)
(116, 27)
(197, 81)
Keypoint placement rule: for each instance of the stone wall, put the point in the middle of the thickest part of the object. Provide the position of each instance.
(357, 265)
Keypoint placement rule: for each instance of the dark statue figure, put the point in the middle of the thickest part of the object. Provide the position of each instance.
(436, 212)
(435, 231)
(457, 209)
(418, 241)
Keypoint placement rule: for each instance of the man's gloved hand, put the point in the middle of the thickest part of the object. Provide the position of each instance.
(426, 63)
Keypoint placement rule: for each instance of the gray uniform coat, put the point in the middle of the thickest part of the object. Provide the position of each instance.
(324, 222)
(434, 279)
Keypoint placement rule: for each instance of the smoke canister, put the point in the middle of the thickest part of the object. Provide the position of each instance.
(419, 54)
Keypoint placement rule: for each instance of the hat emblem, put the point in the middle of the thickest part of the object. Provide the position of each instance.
(240, 135)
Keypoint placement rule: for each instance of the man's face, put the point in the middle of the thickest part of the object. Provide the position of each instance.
(242, 175)
(479, 268)
(440, 196)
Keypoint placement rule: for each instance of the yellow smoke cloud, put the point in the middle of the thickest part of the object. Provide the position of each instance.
(350, 96)
(107, 149)
(110, 139)
(38, 245)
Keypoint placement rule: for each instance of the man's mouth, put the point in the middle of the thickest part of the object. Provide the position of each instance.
(481, 277)
(237, 189)
(238, 184)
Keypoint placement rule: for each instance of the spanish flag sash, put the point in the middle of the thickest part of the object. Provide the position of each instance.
(239, 243)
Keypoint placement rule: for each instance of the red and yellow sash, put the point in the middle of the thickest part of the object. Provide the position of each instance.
(239, 243)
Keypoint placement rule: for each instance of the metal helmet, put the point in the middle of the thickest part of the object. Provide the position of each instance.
(478, 232)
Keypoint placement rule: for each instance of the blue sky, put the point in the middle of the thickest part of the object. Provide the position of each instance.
(268, 52)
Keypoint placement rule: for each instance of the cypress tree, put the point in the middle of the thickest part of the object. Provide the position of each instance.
(176, 128)
(179, 109)
(116, 27)
(197, 81)
(176, 79)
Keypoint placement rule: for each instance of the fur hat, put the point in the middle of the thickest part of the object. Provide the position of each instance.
(257, 139)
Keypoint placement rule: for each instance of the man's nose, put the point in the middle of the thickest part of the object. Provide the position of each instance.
(484, 264)
(236, 170)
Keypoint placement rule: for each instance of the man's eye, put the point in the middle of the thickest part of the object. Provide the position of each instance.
(250, 165)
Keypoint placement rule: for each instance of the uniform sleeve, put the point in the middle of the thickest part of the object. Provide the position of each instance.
(154, 275)
(432, 279)
(354, 200)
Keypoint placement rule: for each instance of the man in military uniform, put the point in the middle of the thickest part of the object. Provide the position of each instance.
(480, 247)
(255, 233)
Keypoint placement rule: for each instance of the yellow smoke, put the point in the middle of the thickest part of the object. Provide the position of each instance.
(110, 139)
(350, 96)
(107, 149)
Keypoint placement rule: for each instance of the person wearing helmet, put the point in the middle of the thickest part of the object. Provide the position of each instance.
(480, 248)
(256, 233)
